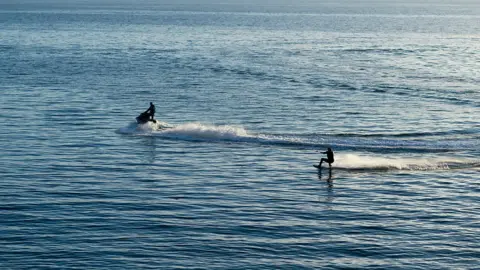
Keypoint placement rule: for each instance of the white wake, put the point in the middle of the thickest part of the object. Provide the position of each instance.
(365, 162)
(188, 131)
(196, 131)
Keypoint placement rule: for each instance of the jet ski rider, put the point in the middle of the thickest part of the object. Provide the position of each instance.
(151, 111)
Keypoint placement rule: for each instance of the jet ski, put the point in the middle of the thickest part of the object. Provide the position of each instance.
(144, 118)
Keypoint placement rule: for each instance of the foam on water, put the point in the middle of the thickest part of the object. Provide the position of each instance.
(365, 162)
(196, 131)
(217, 133)
(199, 131)
(188, 131)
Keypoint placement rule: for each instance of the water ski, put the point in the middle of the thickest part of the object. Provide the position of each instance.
(316, 166)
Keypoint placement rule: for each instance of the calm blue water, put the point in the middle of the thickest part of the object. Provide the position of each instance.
(252, 94)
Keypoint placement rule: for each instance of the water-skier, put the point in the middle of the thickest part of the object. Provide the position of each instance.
(151, 111)
(329, 158)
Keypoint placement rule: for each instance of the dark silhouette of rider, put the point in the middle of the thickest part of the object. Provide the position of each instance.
(329, 158)
(151, 111)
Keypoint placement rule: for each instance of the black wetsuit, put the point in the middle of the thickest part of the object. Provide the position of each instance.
(329, 158)
(151, 111)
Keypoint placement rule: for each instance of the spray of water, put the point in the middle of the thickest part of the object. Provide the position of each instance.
(198, 131)
(366, 162)
(352, 161)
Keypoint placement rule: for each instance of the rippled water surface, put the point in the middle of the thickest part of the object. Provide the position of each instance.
(249, 98)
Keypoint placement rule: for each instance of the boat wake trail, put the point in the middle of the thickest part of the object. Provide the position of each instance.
(363, 153)
(189, 131)
(195, 131)
(198, 131)
(354, 162)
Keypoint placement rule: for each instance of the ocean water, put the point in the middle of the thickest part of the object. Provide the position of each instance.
(252, 94)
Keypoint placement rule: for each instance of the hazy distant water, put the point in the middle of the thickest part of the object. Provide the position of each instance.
(253, 94)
